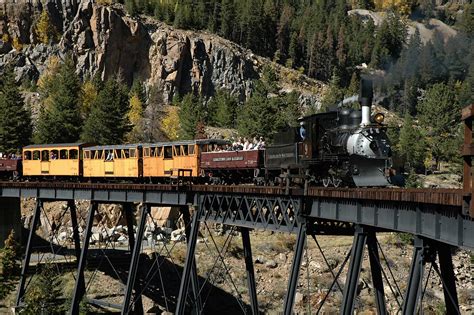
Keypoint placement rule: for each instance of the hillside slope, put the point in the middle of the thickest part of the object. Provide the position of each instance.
(105, 41)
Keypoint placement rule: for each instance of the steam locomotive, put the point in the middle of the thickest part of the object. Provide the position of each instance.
(340, 147)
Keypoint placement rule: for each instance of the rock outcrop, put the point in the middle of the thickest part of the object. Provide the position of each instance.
(105, 41)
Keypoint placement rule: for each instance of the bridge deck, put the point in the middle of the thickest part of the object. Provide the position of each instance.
(432, 213)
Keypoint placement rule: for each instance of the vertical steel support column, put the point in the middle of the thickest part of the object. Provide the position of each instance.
(29, 245)
(449, 281)
(75, 232)
(127, 208)
(415, 278)
(194, 276)
(75, 228)
(79, 287)
(250, 271)
(352, 280)
(295, 270)
(376, 271)
(132, 272)
(189, 264)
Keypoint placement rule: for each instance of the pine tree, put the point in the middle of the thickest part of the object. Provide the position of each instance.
(221, 110)
(260, 115)
(132, 7)
(467, 20)
(139, 90)
(108, 122)
(9, 268)
(354, 85)
(42, 297)
(410, 95)
(389, 41)
(439, 114)
(60, 119)
(191, 112)
(466, 93)
(227, 19)
(283, 32)
(411, 147)
(15, 120)
(333, 95)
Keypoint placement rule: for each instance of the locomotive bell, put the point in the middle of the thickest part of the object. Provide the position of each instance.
(366, 95)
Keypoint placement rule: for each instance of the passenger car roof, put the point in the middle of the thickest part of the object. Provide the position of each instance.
(56, 145)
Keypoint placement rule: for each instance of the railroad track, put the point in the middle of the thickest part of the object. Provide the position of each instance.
(448, 197)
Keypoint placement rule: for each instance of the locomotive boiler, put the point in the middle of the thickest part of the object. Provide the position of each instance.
(340, 147)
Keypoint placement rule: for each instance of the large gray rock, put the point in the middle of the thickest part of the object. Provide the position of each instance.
(104, 40)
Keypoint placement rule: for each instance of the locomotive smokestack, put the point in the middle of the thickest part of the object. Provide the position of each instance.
(366, 95)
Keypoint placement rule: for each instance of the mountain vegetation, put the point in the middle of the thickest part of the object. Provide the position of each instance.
(426, 80)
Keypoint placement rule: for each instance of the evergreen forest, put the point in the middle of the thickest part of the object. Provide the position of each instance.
(425, 82)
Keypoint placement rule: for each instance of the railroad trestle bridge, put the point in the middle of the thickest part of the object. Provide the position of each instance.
(438, 218)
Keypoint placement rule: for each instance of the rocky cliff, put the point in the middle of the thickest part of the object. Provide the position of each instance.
(105, 40)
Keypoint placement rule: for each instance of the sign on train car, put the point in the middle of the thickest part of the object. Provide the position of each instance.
(232, 159)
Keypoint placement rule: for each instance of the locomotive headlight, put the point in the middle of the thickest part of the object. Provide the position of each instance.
(379, 118)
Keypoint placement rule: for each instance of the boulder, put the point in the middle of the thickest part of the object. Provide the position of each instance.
(178, 235)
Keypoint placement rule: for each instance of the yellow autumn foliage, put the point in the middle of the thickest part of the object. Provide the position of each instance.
(135, 113)
(17, 44)
(401, 6)
(89, 94)
(45, 30)
(170, 123)
(104, 2)
(52, 67)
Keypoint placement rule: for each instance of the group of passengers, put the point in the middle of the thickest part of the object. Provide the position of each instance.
(246, 144)
(9, 156)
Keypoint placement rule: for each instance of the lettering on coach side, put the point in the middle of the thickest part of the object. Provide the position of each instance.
(279, 156)
(227, 159)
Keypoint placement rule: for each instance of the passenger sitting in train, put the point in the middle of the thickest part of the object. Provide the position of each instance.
(254, 144)
(238, 145)
(261, 144)
(53, 156)
(246, 144)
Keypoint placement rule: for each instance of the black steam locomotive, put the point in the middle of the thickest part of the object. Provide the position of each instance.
(340, 147)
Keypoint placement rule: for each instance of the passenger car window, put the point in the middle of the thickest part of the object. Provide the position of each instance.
(168, 152)
(63, 155)
(191, 149)
(45, 155)
(133, 153)
(176, 150)
(27, 155)
(73, 154)
(36, 155)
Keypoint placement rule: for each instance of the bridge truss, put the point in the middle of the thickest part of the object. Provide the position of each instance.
(435, 218)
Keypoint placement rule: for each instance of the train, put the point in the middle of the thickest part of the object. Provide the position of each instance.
(340, 147)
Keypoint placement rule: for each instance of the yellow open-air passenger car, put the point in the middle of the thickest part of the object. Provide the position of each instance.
(113, 161)
(63, 159)
(172, 159)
